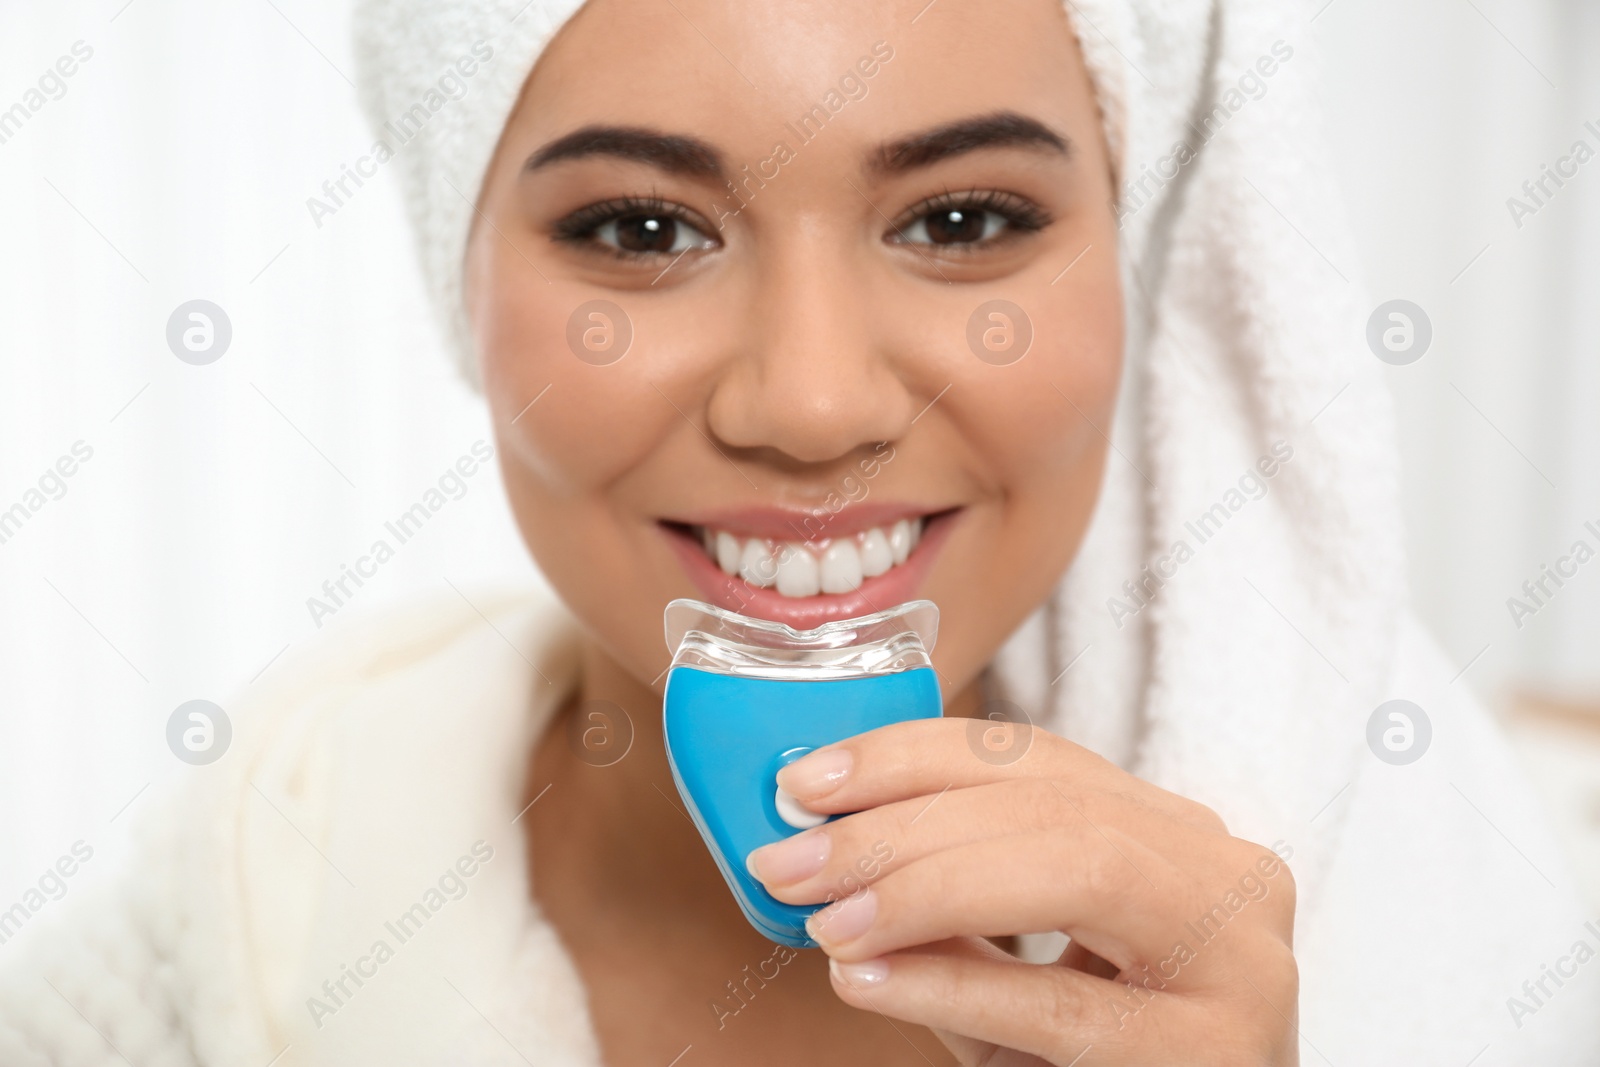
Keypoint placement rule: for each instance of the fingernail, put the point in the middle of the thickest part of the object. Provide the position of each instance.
(816, 774)
(844, 921)
(791, 860)
(867, 972)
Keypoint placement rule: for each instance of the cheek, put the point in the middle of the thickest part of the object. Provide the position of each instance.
(590, 419)
(1042, 419)
(1080, 335)
(1039, 427)
(563, 458)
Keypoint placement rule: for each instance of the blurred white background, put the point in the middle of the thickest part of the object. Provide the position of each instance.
(176, 164)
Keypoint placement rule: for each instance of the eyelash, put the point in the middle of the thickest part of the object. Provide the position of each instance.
(1021, 215)
(583, 222)
(579, 228)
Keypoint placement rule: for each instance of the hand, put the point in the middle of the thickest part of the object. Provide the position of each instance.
(1181, 935)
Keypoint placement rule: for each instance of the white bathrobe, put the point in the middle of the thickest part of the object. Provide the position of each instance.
(374, 763)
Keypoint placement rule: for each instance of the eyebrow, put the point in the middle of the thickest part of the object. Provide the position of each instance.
(673, 153)
(1001, 129)
(694, 158)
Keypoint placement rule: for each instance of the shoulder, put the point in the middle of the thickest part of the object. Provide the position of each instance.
(195, 948)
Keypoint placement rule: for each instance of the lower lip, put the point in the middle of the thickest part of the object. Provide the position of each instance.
(895, 586)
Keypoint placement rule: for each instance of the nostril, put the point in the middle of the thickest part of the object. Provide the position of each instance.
(807, 421)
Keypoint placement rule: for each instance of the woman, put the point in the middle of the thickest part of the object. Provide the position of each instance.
(807, 311)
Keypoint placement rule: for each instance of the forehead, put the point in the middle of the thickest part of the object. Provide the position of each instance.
(745, 75)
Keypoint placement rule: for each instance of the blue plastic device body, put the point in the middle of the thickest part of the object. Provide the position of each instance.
(728, 734)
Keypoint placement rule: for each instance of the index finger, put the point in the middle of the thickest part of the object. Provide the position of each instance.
(925, 757)
(911, 759)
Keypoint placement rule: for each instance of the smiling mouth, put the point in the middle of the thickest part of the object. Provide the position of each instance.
(872, 559)
(795, 569)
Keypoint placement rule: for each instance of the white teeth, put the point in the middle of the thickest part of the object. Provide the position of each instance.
(900, 541)
(797, 572)
(841, 567)
(876, 556)
(728, 552)
(756, 565)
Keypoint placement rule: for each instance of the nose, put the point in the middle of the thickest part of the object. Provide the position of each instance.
(813, 377)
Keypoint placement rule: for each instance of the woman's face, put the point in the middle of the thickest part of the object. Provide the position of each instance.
(820, 305)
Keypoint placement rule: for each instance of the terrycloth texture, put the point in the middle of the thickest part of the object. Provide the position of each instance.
(1271, 623)
(411, 57)
(362, 769)
(383, 753)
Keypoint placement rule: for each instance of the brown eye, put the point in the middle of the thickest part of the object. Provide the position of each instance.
(640, 229)
(969, 221)
(654, 234)
(956, 226)
(646, 233)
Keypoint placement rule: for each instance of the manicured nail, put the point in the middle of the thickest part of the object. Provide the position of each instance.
(791, 860)
(816, 774)
(844, 921)
(867, 972)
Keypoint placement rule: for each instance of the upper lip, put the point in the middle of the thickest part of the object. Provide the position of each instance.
(805, 524)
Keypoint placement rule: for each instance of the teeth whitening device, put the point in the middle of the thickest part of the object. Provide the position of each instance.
(746, 697)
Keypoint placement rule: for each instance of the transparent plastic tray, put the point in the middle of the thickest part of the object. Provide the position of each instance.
(712, 639)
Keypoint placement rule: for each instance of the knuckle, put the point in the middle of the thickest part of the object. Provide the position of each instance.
(1283, 972)
(1266, 871)
(1275, 873)
(1062, 1007)
(1290, 887)
(1274, 987)
(1246, 1027)
(1203, 816)
(1036, 802)
(1101, 872)
(1063, 803)
(1289, 892)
